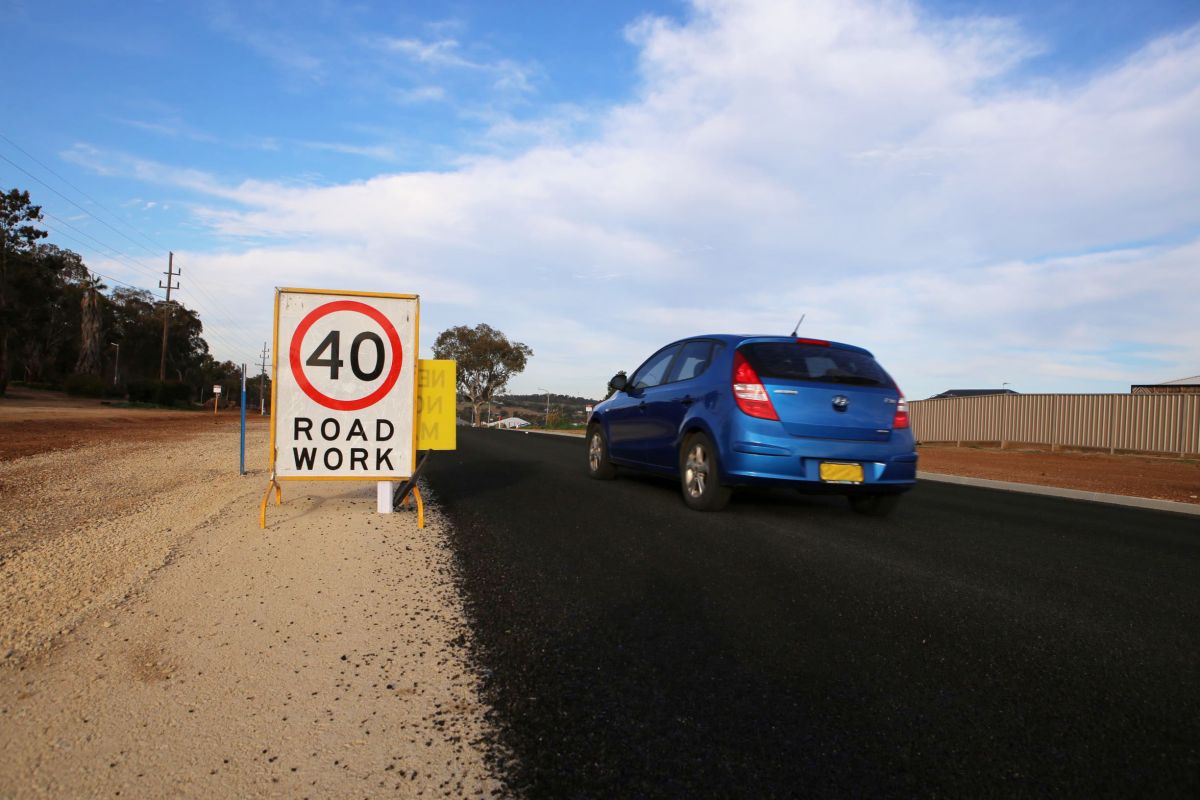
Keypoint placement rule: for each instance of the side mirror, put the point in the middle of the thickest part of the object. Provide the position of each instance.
(618, 382)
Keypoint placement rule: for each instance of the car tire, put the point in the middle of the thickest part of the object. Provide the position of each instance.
(599, 466)
(874, 505)
(700, 474)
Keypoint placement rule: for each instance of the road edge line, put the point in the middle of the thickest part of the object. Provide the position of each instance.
(1071, 494)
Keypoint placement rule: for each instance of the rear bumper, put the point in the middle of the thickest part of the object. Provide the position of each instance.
(750, 458)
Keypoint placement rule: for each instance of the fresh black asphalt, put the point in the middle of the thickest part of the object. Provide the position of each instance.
(977, 643)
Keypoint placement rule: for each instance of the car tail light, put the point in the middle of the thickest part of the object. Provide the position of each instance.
(817, 342)
(749, 392)
(901, 420)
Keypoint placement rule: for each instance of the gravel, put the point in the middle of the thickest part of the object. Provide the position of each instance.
(156, 642)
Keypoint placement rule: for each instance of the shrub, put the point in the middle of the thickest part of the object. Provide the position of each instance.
(173, 393)
(85, 385)
(45, 385)
(163, 393)
(143, 391)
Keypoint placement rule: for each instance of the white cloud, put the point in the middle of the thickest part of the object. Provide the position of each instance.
(506, 74)
(419, 94)
(441, 52)
(378, 152)
(863, 162)
(284, 51)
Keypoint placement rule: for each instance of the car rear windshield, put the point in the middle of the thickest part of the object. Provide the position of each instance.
(806, 362)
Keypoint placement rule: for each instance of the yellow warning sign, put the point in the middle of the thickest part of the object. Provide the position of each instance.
(436, 402)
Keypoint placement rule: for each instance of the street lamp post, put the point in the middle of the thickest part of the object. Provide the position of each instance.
(116, 362)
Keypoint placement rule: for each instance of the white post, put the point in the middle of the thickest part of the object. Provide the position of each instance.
(383, 497)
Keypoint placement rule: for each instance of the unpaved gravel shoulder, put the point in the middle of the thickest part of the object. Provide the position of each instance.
(165, 646)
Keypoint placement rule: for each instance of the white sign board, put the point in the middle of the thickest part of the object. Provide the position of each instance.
(344, 404)
(216, 388)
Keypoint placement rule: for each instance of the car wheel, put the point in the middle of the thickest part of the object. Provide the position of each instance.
(599, 467)
(699, 474)
(874, 505)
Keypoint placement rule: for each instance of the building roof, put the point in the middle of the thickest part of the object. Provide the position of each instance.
(1192, 381)
(970, 393)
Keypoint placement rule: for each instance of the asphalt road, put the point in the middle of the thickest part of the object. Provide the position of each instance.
(977, 643)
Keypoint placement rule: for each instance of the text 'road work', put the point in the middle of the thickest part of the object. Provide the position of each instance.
(331, 429)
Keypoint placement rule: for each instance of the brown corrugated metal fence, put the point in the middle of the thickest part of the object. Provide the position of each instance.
(1150, 423)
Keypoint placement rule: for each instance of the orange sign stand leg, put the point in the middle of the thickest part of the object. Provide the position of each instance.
(262, 510)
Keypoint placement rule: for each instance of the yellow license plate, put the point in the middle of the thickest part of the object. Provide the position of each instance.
(841, 473)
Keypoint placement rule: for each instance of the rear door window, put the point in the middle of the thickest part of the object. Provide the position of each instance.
(693, 359)
(806, 362)
(654, 371)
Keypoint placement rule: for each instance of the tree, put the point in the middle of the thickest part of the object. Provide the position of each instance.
(89, 329)
(17, 237)
(486, 361)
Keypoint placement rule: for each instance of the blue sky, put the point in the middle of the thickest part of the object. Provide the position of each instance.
(980, 192)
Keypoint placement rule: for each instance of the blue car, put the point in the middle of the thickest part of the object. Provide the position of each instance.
(724, 411)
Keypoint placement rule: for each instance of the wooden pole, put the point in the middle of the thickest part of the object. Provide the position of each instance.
(170, 273)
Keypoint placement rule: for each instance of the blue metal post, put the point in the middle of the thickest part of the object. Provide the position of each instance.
(243, 470)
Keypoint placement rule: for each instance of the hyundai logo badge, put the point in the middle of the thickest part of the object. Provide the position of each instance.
(841, 403)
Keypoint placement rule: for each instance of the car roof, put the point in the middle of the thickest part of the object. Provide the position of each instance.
(737, 339)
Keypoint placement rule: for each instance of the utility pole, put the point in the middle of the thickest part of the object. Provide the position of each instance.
(262, 382)
(171, 274)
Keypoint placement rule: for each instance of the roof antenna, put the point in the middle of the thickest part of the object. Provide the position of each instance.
(802, 316)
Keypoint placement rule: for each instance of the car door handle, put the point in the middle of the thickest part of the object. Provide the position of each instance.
(642, 406)
(686, 400)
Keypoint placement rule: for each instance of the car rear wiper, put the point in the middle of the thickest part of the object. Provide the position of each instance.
(853, 380)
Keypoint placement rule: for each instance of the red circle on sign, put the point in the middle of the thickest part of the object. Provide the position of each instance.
(321, 397)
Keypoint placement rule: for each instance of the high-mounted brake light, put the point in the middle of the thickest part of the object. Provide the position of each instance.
(748, 390)
(901, 420)
(817, 342)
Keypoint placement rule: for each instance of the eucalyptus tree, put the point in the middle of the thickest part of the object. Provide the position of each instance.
(486, 361)
(18, 237)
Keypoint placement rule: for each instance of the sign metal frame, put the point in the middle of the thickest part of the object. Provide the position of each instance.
(275, 385)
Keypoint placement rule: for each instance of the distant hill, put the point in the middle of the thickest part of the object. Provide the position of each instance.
(563, 401)
(533, 407)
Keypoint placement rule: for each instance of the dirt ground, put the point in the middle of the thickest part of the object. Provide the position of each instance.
(155, 642)
(34, 421)
(1158, 478)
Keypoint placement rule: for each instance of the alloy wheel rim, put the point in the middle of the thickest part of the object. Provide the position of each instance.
(696, 471)
(594, 453)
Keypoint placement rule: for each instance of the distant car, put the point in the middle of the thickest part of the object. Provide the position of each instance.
(723, 411)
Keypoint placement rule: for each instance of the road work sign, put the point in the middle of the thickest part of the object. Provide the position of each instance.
(344, 405)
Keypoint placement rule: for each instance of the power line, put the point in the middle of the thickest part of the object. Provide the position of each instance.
(123, 257)
(229, 339)
(89, 269)
(195, 288)
(213, 311)
(209, 335)
(119, 255)
(72, 202)
(115, 215)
